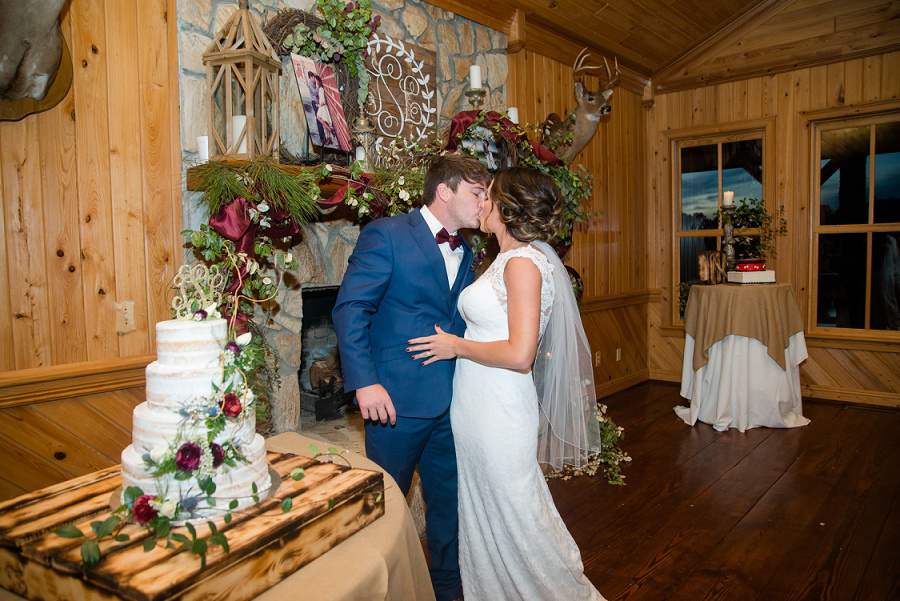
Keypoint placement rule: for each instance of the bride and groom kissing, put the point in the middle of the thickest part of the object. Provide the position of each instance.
(478, 383)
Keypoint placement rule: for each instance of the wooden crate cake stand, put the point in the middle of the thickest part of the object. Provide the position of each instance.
(330, 503)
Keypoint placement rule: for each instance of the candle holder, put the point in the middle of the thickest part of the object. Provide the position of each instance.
(727, 212)
(476, 97)
(365, 134)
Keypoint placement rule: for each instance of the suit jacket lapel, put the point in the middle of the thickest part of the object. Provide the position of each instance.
(423, 237)
(465, 269)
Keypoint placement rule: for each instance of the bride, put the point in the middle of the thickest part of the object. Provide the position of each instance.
(523, 394)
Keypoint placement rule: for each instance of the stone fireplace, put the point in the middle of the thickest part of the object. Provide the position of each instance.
(322, 255)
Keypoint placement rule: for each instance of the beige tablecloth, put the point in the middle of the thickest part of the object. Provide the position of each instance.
(743, 346)
(765, 312)
(383, 561)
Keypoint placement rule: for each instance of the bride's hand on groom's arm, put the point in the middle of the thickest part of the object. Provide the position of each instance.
(375, 404)
(438, 347)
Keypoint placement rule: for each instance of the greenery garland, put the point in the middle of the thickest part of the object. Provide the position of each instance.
(342, 38)
(269, 191)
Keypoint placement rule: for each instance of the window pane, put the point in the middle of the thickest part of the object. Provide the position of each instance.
(742, 164)
(842, 281)
(887, 172)
(885, 310)
(689, 262)
(844, 176)
(699, 187)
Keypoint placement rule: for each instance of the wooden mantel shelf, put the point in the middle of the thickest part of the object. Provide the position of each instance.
(328, 186)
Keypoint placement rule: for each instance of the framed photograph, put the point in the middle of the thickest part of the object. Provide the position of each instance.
(321, 103)
(481, 144)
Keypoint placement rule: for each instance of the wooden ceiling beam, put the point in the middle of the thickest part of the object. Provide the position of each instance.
(547, 41)
(743, 21)
(496, 16)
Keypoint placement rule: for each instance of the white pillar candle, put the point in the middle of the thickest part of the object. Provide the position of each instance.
(728, 198)
(237, 125)
(513, 114)
(203, 148)
(475, 77)
(360, 154)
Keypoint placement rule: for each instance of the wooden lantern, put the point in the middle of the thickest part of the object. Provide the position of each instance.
(242, 73)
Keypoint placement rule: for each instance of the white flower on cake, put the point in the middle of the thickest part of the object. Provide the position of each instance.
(165, 508)
(263, 207)
(158, 454)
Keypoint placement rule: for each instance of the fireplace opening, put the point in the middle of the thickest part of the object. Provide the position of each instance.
(320, 377)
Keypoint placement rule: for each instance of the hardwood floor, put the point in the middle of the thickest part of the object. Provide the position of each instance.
(768, 514)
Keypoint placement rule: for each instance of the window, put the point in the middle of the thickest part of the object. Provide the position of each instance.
(856, 231)
(704, 168)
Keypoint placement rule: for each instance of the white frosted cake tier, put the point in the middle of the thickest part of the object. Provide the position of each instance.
(153, 427)
(186, 342)
(231, 482)
(172, 387)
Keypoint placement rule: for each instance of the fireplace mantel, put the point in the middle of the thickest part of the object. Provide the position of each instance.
(328, 186)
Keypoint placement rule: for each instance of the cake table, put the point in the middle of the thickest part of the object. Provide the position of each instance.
(382, 560)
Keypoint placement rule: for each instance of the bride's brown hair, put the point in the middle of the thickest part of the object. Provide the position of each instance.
(528, 202)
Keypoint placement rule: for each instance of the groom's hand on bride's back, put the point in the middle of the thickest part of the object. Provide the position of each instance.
(375, 404)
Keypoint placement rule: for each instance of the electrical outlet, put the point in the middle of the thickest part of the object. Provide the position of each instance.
(597, 359)
(125, 317)
(618, 354)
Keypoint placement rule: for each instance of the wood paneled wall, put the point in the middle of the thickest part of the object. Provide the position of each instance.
(91, 194)
(610, 250)
(845, 370)
(91, 214)
(46, 443)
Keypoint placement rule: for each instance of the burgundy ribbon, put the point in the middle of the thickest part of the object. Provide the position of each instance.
(234, 222)
(465, 119)
(338, 197)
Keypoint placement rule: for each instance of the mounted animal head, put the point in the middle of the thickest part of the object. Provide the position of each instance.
(567, 137)
(31, 45)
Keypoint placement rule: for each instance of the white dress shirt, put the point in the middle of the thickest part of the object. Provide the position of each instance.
(452, 258)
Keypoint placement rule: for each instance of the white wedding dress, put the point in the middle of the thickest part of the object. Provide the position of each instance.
(513, 545)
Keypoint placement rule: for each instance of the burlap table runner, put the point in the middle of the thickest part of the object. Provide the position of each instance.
(766, 312)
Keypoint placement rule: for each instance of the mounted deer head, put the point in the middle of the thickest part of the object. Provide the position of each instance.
(566, 138)
(30, 47)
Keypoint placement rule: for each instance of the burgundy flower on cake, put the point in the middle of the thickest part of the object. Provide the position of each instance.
(142, 510)
(231, 405)
(218, 453)
(187, 459)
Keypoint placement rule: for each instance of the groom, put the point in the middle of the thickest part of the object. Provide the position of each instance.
(405, 276)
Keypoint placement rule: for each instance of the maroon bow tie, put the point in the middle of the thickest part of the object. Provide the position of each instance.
(444, 236)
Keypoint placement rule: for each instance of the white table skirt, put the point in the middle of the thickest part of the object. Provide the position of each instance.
(742, 387)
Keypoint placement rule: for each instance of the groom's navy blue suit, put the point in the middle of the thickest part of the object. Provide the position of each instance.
(395, 289)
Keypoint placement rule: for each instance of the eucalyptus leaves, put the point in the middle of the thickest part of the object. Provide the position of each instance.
(342, 38)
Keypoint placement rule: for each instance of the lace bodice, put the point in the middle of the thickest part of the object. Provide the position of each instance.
(494, 276)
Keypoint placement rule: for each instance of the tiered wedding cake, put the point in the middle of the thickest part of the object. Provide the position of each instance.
(197, 426)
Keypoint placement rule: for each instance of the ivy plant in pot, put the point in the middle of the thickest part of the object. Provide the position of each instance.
(756, 229)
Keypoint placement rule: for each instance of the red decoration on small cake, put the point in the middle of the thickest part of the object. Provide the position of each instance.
(750, 265)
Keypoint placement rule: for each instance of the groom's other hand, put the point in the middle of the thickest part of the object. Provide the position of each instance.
(375, 404)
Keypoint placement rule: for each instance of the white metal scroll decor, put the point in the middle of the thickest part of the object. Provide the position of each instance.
(401, 101)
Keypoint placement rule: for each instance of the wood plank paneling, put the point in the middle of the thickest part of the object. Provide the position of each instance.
(91, 194)
(865, 376)
(798, 33)
(609, 252)
(47, 443)
(125, 150)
